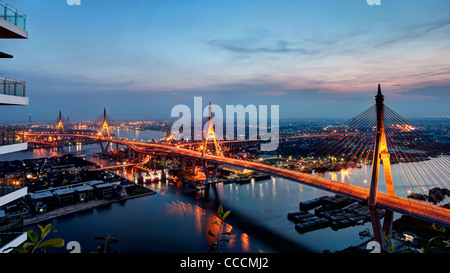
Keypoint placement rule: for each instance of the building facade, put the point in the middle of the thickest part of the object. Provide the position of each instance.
(12, 93)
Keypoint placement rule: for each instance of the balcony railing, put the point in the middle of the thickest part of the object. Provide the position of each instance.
(10, 228)
(12, 15)
(12, 87)
(11, 135)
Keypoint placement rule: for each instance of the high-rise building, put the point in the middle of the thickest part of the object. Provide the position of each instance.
(12, 92)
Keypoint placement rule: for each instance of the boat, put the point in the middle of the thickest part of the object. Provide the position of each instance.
(312, 225)
(364, 233)
(336, 202)
(302, 218)
(291, 215)
(341, 224)
(311, 204)
(262, 177)
(243, 181)
(200, 187)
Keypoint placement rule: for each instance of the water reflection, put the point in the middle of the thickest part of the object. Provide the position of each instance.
(204, 221)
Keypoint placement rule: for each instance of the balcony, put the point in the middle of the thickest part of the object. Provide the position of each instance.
(11, 233)
(12, 22)
(12, 211)
(12, 92)
(12, 140)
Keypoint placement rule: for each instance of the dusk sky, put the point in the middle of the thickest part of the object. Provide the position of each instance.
(140, 58)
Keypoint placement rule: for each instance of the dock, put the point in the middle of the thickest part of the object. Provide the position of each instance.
(79, 207)
(336, 212)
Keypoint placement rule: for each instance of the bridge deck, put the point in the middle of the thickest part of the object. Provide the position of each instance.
(435, 214)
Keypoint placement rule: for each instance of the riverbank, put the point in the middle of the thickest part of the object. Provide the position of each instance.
(71, 209)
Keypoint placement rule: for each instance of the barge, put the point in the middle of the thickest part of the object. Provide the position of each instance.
(336, 212)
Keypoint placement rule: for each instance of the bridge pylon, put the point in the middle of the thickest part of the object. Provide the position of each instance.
(60, 126)
(380, 154)
(105, 126)
(210, 136)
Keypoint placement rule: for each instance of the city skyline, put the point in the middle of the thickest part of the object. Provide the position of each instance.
(314, 59)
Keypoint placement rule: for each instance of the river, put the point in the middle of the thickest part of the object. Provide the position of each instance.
(177, 218)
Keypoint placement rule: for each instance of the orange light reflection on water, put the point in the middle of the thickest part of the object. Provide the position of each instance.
(203, 222)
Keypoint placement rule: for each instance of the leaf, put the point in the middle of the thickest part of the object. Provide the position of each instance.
(227, 233)
(393, 248)
(220, 211)
(211, 234)
(226, 214)
(54, 242)
(216, 223)
(33, 236)
(27, 245)
(224, 240)
(46, 230)
(17, 249)
(113, 240)
(100, 248)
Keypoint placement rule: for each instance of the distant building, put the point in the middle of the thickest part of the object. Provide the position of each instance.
(12, 92)
(42, 200)
(65, 196)
(84, 193)
(103, 190)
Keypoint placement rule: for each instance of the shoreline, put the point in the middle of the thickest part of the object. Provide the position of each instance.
(75, 208)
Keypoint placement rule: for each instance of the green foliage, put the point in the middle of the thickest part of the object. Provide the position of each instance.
(440, 243)
(220, 236)
(105, 248)
(39, 245)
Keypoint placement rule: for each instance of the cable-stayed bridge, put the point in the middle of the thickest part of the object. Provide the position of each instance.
(386, 164)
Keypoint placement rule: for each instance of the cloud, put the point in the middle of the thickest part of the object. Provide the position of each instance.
(259, 46)
(415, 32)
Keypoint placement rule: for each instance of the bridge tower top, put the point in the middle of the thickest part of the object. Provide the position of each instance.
(105, 126)
(60, 126)
(211, 135)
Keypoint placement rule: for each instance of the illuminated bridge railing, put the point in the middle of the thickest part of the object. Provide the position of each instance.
(12, 15)
(12, 87)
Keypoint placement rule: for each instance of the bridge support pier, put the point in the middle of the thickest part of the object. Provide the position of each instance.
(376, 227)
(209, 177)
(205, 170)
(194, 167)
(104, 149)
(387, 224)
(214, 174)
(183, 163)
(174, 162)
